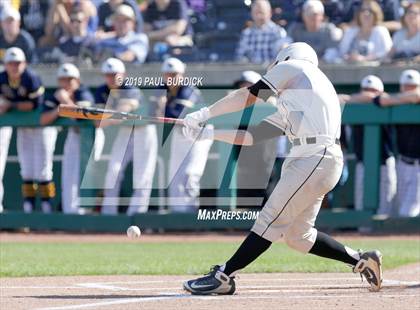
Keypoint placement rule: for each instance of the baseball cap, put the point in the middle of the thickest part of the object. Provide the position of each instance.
(14, 54)
(313, 7)
(372, 81)
(410, 77)
(68, 70)
(124, 10)
(113, 65)
(10, 12)
(173, 65)
(250, 76)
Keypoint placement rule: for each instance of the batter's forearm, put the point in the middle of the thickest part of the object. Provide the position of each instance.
(236, 101)
(237, 137)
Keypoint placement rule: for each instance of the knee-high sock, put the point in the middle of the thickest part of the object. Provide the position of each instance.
(326, 246)
(252, 247)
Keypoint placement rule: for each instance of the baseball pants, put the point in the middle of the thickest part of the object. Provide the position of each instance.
(186, 167)
(408, 193)
(141, 147)
(5, 135)
(292, 208)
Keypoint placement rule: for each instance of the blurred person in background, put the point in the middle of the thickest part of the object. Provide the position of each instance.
(406, 41)
(408, 166)
(138, 144)
(12, 35)
(22, 90)
(371, 86)
(322, 36)
(105, 12)
(368, 40)
(59, 22)
(125, 44)
(261, 42)
(79, 42)
(70, 92)
(33, 14)
(167, 21)
(188, 159)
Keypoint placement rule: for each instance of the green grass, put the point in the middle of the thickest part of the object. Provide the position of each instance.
(46, 259)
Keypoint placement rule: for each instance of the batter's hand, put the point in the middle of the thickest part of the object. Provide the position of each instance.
(200, 134)
(196, 119)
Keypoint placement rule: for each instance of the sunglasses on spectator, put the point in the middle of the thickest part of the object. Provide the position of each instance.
(79, 21)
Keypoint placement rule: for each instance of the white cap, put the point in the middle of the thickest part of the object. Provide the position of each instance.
(68, 70)
(410, 77)
(113, 65)
(372, 81)
(14, 54)
(250, 76)
(125, 10)
(313, 7)
(298, 51)
(173, 65)
(10, 12)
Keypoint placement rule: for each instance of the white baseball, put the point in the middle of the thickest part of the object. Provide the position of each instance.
(133, 232)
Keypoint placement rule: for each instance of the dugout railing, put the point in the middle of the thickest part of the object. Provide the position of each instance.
(370, 116)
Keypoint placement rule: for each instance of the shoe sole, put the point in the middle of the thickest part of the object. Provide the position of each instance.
(378, 260)
(194, 292)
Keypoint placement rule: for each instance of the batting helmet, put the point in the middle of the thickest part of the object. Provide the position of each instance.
(299, 51)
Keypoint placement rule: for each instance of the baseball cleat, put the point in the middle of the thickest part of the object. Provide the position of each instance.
(370, 266)
(213, 283)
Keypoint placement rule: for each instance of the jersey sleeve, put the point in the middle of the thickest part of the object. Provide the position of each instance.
(36, 92)
(84, 98)
(278, 77)
(49, 104)
(99, 98)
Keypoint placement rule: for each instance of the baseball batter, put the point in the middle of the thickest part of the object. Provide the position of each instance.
(309, 114)
(408, 166)
(370, 87)
(22, 89)
(138, 144)
(188, 160)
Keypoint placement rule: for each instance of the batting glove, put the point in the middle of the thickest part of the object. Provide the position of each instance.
(201, 134)
(197, 119)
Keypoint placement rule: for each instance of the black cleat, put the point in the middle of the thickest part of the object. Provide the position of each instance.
(213, 283)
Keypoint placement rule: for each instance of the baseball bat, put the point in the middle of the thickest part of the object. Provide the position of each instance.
(92, 113)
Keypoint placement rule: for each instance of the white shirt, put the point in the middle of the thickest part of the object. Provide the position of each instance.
(307, 104)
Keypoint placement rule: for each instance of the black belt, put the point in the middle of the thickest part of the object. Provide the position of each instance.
(311, 140)
(409, 160)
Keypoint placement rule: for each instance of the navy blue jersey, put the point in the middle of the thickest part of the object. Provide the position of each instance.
(185, 98)
(82, 97)
(110, 99)
(386, 142)
(28, 88)
(408, 140)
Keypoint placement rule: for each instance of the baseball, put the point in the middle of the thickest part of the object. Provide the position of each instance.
(133, 232)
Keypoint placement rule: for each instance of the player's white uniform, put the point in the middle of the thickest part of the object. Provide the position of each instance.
(309, 113)
(186, 167)
(138, 145)
(5, 135)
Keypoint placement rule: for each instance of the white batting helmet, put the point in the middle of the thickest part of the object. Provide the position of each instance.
(373, 82)
(298, 51)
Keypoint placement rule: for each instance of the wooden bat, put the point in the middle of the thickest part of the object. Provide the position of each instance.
(91, 113)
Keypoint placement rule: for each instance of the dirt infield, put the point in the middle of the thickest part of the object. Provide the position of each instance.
(278, 291)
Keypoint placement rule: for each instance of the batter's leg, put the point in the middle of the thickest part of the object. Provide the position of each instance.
(5, 135)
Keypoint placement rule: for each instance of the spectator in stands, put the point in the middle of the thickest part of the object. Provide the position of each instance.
(34, 17)
(370, 87)
(105, 12)
(368, 41)
(408, 166)
(80, 41)
(262, 41)
(406, 42)
(125, 44)
(321, 35)
(13, 36)
(58, 19)
(167, 21)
